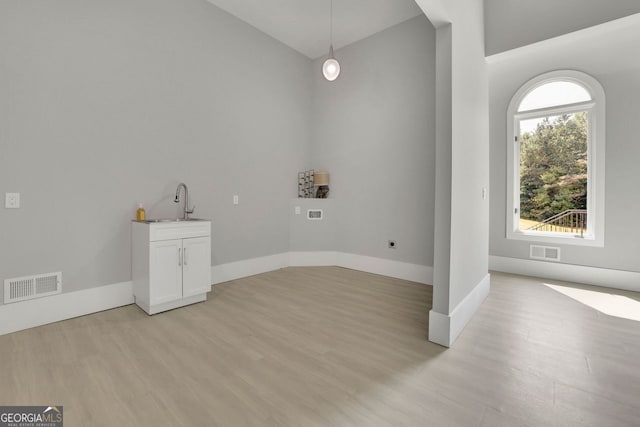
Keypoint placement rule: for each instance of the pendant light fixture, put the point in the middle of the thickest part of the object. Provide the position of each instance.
(331, 67)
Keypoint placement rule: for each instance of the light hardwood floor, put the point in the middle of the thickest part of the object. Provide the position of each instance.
(333, 347)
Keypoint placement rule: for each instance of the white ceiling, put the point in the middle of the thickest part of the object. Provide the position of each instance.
(304, 24)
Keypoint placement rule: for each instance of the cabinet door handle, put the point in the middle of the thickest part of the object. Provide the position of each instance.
(184, 254)
(179, 256)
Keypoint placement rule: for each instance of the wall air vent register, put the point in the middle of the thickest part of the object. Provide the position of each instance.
(546, 253)
(29, 287)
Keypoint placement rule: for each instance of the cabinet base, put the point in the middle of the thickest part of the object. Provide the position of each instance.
(157, 308)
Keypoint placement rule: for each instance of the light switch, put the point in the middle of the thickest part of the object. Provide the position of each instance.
(12, 200)
(297, 210)
(236, 199)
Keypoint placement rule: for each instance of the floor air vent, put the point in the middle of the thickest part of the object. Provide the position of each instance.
(547, 253)
(29, 287)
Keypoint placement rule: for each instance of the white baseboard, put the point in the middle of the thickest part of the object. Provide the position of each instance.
(445, 328)
(387, 267)
(384, 267)
(248, 267)
(313, 259)
(608, 278)
(397, 269)
(439, 328)
(36, 312)
(28, 314)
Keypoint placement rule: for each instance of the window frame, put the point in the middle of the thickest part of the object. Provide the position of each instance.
(595, 109)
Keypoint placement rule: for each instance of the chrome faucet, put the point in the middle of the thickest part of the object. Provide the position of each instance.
(187, 212)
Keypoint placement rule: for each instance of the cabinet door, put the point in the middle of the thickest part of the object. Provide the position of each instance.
(196, 272)
(165, 271)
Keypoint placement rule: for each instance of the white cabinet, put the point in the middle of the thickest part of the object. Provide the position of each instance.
(171, 264)
(196, 252)
(165, 274)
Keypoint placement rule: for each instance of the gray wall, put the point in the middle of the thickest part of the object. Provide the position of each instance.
(618, 71)
(107, 103)
(442, 212)
(313, 235)
(466, 161)
(513, 23)
(374, 131)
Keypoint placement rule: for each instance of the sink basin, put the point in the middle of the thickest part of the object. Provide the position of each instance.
(152, 221)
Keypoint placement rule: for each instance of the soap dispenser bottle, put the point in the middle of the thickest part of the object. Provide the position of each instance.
(140, 213)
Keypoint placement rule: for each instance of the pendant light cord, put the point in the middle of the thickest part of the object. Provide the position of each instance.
(331, 23)
(331, 67)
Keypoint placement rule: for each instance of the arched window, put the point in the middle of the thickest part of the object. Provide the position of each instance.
(555, 171)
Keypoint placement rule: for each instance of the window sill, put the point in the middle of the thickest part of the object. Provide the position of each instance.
(556, 238)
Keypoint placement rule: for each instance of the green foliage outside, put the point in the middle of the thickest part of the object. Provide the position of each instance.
(553, 167)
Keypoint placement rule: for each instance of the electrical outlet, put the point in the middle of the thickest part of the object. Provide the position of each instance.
(297, 210)
(236, 199)
(12, 200)
(393, 244)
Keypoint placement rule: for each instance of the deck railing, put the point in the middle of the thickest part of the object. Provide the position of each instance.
(569, 221)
